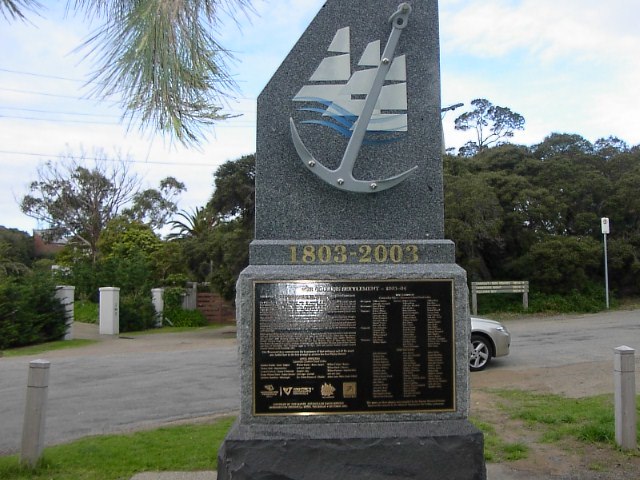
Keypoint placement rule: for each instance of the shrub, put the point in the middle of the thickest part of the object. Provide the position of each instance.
(29, 311)
(177, 317)
(85, 311)
(136, 313)
(174, 314)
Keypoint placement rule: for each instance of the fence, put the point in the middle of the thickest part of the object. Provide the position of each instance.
(499, 287)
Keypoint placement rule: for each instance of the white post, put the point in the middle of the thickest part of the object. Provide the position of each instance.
(35, 412)
(109, 311)
(158, 304)
(625, 397)
(65, 294)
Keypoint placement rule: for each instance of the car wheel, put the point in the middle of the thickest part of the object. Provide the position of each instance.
(480, 354)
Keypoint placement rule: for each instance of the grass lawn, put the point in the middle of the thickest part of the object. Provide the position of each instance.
(46, 347)
(111, 457)
(557, 419)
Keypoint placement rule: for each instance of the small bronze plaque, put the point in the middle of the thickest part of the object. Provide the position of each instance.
(327, 347)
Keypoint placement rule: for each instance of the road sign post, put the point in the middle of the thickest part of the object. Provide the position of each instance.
(605, 231)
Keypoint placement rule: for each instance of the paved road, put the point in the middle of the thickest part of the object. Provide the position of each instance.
(127, 384)
(570, 339)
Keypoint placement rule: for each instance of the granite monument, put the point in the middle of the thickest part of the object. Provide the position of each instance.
(353, 318)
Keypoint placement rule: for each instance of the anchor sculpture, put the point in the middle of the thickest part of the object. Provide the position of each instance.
(342, 177)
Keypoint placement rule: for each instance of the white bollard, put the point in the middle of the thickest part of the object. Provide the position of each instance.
(625, 397)
(35, 412)
(65, 294)
(109, 311)
(158, 304)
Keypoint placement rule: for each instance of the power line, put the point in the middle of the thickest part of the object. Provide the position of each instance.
(126, 160)
(46, 94)
(42, 75)
(57, 112)
(57, 120)
(95, 122)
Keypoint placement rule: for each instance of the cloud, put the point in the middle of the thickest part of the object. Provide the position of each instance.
(547, 29)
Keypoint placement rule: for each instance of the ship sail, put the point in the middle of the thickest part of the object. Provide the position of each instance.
(343, 99)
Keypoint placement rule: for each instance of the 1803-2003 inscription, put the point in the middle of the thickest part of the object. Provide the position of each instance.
(325, 347)
(363, 253)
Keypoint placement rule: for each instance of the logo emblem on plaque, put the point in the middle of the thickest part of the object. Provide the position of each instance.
(327, 390)
(368, 106)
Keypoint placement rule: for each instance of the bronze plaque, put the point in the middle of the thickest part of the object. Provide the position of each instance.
(330, 347)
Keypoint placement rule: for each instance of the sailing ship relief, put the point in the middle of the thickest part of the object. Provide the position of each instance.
(367, 106)
(343, 102)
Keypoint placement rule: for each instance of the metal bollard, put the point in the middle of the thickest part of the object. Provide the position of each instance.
(625, 397)
(35, 412)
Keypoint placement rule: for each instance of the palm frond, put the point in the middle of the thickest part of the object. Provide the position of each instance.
(162, 59)
(14, 9)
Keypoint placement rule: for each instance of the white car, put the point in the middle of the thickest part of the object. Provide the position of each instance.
(488, 339)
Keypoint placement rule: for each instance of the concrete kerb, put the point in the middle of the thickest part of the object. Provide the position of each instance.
(494, 472)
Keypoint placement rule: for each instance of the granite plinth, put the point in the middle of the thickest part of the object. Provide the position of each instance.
(245, 321)
(399, 450)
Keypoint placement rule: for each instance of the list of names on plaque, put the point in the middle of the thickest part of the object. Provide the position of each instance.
(353, 347)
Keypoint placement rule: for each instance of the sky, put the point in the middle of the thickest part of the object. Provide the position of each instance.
(567, 66)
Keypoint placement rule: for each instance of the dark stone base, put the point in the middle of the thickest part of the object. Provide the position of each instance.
(438, 450)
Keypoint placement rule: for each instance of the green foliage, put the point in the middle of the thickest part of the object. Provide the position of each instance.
(591, 300)
(29, 311)
(115, 457)
(155, 207)
(124, 238)
(230, 255)
(172, 297)
(85, 311)
(161, 57)
(518, 213)
(136, 313)
(16, 246)
(177, 317)
(234, 194)
(560, 264)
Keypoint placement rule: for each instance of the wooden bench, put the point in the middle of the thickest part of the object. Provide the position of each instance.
(499, 287)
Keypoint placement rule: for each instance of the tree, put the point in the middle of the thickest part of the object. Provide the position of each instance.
(562, 143)
(155, 207)
(492, 124)
(160, 56)
(216, 238)
(13, 9)
(77, 202)
(193, 225)
(473, 218)
(235, 190)
(19, 247)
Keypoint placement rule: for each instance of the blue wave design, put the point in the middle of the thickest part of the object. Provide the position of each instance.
(346, 121)
(345, 132)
